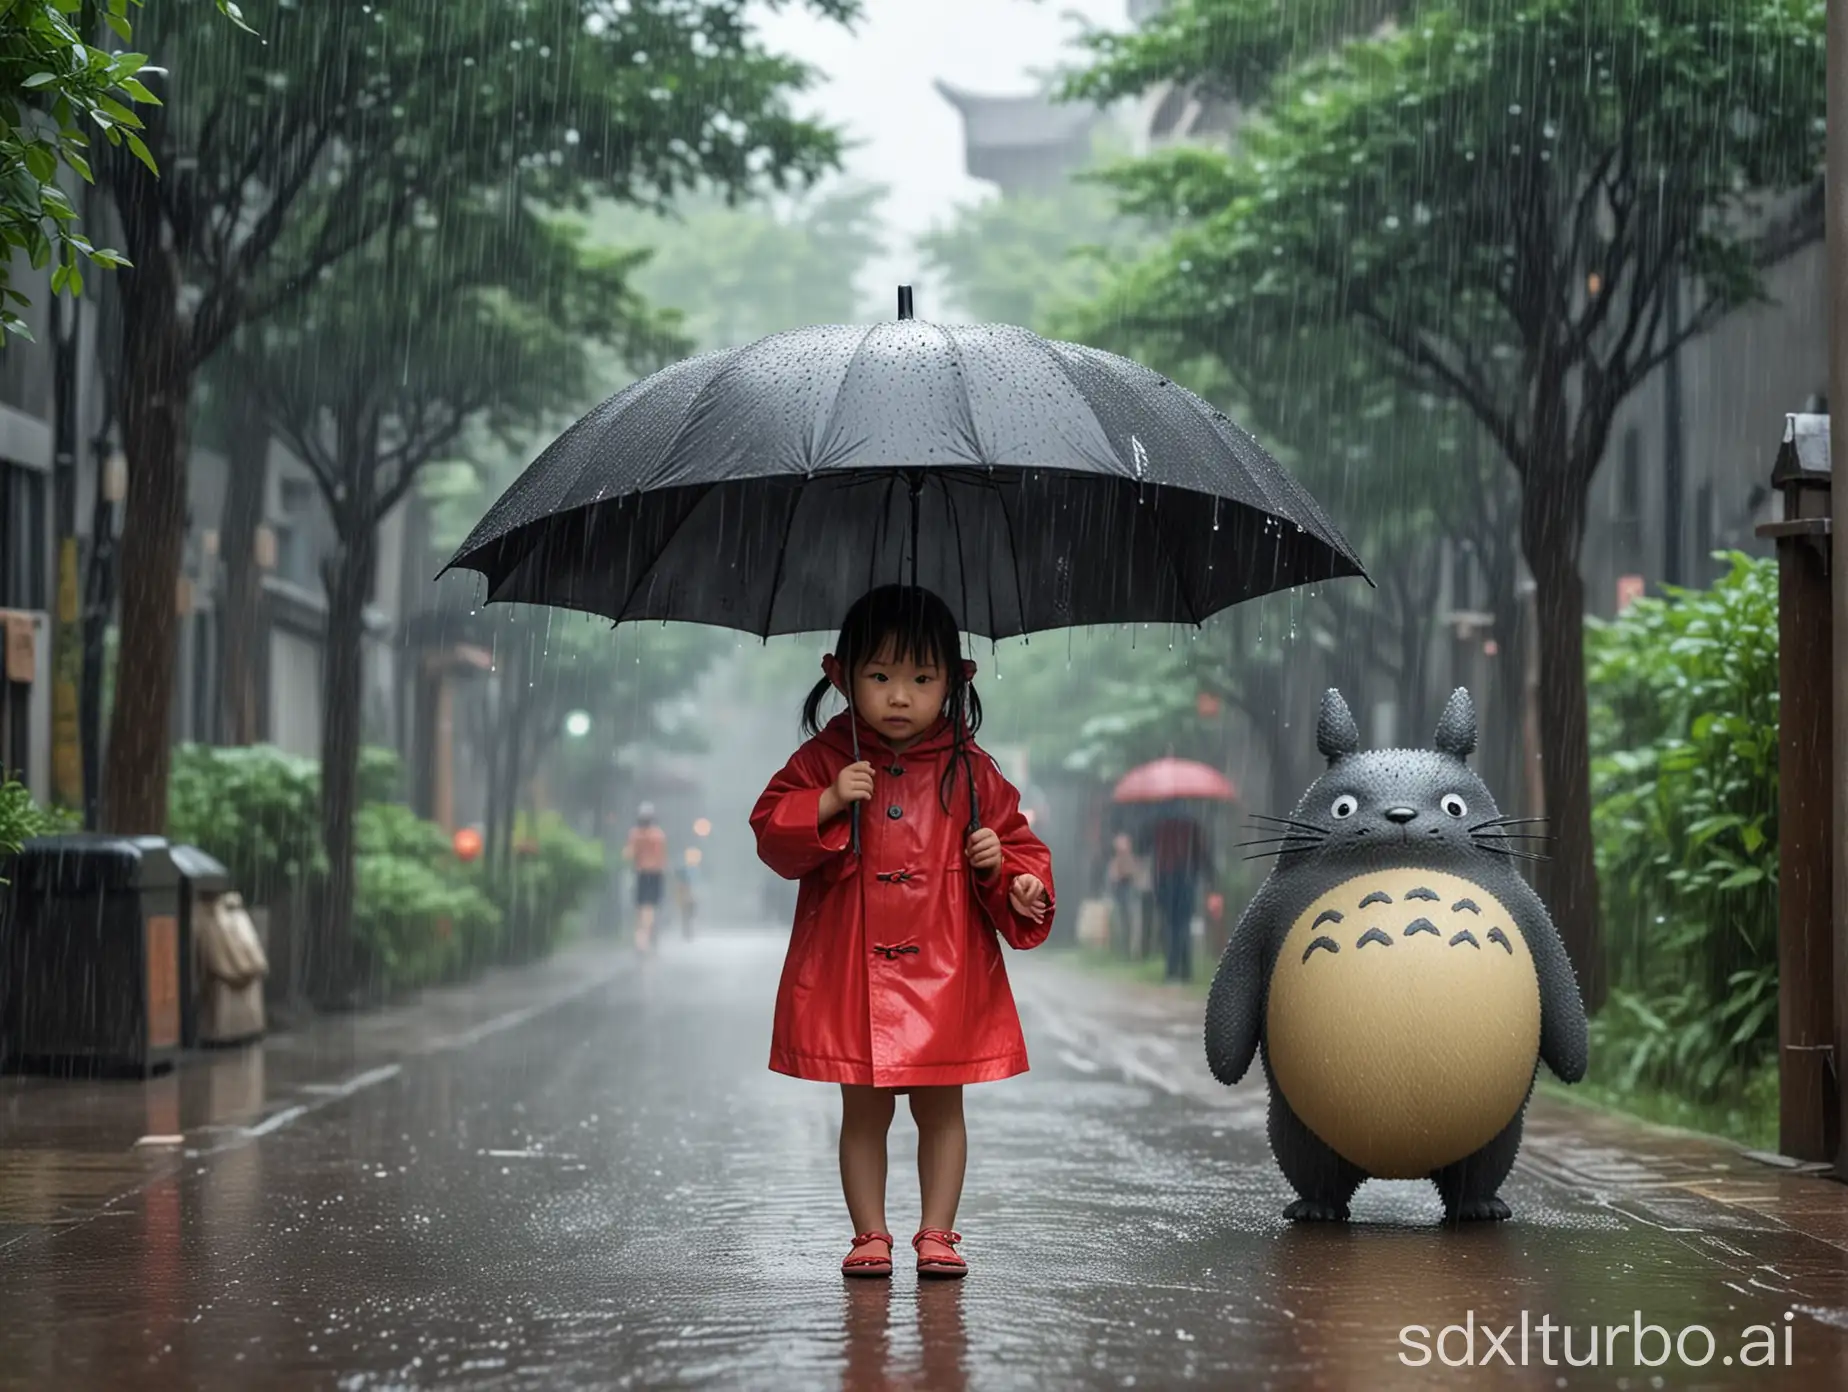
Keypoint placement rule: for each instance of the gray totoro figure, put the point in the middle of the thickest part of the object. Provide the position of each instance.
(1401, 979)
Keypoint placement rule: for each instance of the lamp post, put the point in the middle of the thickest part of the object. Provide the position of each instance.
(1836, 223)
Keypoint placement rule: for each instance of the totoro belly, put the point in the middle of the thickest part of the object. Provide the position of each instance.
(1405, 1032)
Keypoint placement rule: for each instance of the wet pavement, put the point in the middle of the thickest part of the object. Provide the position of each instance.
(583, 1176)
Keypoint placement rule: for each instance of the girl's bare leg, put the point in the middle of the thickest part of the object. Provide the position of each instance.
(866, 1116)
(943, 1154)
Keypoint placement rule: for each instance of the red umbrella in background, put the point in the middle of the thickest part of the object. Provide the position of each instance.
(1174, 780)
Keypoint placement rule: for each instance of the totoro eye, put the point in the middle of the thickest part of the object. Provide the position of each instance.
(1345, 806)
(1454, 805)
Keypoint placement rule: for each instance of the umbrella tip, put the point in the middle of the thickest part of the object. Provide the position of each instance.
(904, 302)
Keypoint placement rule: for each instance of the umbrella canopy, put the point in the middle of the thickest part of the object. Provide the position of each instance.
(1172, 780)
(1031, 484)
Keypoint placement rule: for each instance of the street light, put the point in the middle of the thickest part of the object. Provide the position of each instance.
(577, 724)
(702, 827)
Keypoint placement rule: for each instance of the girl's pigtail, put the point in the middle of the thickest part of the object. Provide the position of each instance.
(811, 708)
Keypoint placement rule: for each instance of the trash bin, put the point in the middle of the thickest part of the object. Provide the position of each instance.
(224, 958)
(90, 963)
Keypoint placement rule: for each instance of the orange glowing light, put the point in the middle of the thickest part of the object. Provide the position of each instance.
(702, 827)
(467, 843)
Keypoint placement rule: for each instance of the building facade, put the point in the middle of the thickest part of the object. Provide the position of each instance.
(44, 497)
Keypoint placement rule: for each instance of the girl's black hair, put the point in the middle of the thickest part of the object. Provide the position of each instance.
(920, 628)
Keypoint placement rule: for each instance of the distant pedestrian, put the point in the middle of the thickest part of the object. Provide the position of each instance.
(894, 982)
(1177, 861)
(683, 889)
(647, 855)
(1124, 878)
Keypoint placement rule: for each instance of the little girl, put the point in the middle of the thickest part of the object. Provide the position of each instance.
(913, 855)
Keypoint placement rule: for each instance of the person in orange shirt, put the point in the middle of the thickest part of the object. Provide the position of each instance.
(647, 854)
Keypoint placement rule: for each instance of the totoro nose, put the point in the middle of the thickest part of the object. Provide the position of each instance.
(1400, 815)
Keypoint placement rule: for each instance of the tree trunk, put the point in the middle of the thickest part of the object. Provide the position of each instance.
(1500, 706)
(156, 383)
(1552, 524)
(350, 577)
(241, 628)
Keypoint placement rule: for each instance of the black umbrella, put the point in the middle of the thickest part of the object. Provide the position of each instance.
(1032, 484)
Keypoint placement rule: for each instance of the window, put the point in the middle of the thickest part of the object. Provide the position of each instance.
(23, 544)
(1630, 477)
(1627, 524)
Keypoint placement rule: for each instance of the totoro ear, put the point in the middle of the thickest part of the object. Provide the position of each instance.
(1456, 728)
(1336, 734)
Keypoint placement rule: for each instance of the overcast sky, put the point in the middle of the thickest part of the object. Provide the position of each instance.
(879, 87)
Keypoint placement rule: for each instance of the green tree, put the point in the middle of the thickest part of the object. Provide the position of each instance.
(1019, 259)
(287, 157)
(736, 272)
(485, 313)
(55, 84)
(1504, 199)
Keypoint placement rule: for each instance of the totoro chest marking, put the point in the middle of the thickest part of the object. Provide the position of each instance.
(1403, 1022)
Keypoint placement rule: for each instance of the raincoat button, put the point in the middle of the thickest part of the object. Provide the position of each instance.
(895, 811)
(897, 770)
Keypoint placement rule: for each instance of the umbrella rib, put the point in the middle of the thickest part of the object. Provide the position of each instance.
(885, 529)
(968, 402)
(666, 546)
(840, 390)
(1180, 582)
(962, 571)
(1013, 556)
(782, 553)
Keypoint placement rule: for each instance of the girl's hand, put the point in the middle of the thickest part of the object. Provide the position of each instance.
(855, 784)
(984, 851)
(1028, 897)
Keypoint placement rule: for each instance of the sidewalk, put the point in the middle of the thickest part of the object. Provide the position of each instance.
(71, 1148)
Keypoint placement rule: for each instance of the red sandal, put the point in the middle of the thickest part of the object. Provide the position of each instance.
(943, 1268)
(869, 1266)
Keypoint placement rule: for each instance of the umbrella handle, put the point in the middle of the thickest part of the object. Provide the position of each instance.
(853, 724)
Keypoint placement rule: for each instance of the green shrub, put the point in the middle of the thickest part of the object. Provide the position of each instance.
(256, 809)
(1684, 744)
(553, 871)
(21, 818)
(415, 910)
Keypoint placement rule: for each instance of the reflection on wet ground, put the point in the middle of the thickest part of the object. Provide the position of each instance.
(584, 1176)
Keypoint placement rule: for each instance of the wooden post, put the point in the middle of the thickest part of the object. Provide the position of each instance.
(1836, 223)
(1809, 1109)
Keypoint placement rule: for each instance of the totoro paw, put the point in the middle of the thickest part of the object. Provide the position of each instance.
(1490, 1210)
(1315, 1211)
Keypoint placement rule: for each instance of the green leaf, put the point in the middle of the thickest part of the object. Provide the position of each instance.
(39, 79)
(140, 150)
(135, 88)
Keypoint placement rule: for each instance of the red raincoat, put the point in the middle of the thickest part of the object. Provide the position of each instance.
(894, 977)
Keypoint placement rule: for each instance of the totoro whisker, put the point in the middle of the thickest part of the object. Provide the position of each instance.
(1289, 821)
(1510, 851)
(1279, 851)
(1268, 840)
(1515, 835)
(1505, 822)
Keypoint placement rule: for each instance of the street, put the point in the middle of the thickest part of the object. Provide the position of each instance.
(582, 1175)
